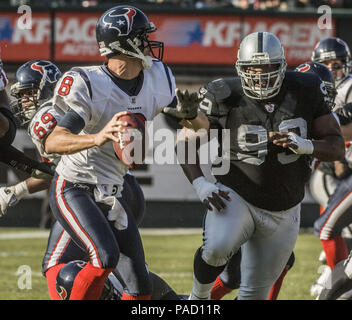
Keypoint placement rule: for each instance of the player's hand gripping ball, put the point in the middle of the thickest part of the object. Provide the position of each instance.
(131, 147)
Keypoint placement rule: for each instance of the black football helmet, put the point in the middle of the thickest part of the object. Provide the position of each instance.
(68, 273)
(125, 29)
(325, 76)
(35, 82)
(330, 49)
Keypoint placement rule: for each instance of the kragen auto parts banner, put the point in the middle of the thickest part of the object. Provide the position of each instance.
(189, 39)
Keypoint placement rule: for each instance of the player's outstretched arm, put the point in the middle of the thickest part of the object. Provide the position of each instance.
(10, 196)
(63, 141)
(208, 192)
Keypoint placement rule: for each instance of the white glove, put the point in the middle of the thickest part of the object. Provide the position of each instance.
(10, 196)
(204, 188)
(300, 145)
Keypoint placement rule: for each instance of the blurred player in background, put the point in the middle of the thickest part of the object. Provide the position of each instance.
(256, 206)
(10, 155)
(86, 191)
(7, 124)
(34, 86)
(330, 184)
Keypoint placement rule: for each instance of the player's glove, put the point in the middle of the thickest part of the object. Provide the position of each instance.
(187, 106)
(209, 193)
(10, 196)
(345, 114)
(299, 145)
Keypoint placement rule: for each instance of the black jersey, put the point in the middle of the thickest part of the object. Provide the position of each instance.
(267, 176)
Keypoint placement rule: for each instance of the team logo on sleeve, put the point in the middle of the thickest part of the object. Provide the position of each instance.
(303, 68)
(121, 22)
(52, 73)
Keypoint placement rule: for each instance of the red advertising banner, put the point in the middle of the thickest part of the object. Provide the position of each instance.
(215, 39)
(19, 44)
(75, 37)
(189, 39)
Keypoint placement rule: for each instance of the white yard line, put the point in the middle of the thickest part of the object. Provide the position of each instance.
(144, 231)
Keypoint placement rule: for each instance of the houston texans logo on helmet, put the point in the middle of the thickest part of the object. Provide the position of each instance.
(63, 293)
(303, 68)
(52, 73)
(121, 22)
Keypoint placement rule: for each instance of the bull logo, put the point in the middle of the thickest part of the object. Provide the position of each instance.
(121, 22)
(52, 73)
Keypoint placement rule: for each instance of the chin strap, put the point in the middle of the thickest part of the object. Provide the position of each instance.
(147, 61)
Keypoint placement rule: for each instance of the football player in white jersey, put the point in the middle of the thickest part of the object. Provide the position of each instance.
(335, 54)
(34, 86)
(85, 194)
(32, 89)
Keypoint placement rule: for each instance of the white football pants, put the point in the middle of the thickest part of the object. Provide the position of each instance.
(266, 238)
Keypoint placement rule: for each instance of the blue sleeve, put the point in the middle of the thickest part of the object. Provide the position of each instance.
(72, 121)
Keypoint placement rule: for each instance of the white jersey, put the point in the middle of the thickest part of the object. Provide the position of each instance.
(344, 92)
(92, 93)
(41, 125)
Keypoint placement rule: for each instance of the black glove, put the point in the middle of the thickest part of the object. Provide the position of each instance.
(187, 106)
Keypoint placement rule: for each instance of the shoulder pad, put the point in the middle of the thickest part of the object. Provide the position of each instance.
(215, 96)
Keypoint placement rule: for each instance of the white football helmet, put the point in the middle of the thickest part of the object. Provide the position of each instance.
(261, 49)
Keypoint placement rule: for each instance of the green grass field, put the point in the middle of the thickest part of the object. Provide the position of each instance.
(170, 256)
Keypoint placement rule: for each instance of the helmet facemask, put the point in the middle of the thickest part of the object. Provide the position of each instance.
(137, 46)
(28, 99)
(26, 104)
(266, 81)
(331, 94)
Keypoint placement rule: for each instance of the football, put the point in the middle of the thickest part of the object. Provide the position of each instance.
(131, 148)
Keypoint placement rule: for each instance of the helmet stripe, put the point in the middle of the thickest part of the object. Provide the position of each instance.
(260, 41)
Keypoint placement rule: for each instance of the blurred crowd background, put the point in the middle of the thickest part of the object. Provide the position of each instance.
(282, 5)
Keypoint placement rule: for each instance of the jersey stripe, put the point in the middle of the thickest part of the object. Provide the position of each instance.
(168, 77)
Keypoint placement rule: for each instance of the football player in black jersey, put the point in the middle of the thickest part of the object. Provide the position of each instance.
(278, 121)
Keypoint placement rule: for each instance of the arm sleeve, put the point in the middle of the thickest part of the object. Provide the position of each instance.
(72, 121)
(72, 93)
